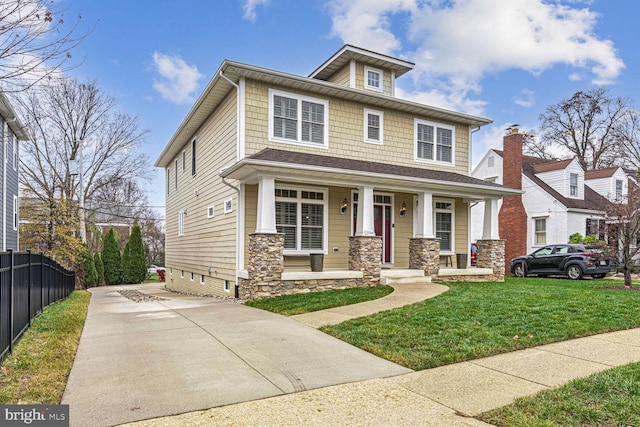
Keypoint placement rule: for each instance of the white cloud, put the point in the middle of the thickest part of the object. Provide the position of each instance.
(250, 9)
(456, 43)
(177, 81)
(525, 98)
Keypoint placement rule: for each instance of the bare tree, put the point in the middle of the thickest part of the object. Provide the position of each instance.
(623, 219)
(35, 42)
(585, 126)
(66, 118)
(628, 137)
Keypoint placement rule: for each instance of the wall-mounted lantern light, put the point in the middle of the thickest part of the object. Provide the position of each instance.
(403, 209)
(343, 206)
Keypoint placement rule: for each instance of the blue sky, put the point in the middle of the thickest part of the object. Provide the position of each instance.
(506, 60)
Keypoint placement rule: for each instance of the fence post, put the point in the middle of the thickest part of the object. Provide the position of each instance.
(11, 305)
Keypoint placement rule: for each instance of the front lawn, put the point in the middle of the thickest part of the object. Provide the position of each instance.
(609, 398)
(475, 320)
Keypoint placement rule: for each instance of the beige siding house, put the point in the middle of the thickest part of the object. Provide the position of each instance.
(270, 171)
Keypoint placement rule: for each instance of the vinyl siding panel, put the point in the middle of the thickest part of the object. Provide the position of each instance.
(346, 133)
(207, 242)
(342, 76)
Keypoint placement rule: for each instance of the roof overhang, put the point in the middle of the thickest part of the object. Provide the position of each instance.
(9, 115)
(248, 171)
(219, 87)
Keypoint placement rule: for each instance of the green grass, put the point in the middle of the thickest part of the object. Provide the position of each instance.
(37, 369)
(474, 320)
(304, 303)
(609, 398)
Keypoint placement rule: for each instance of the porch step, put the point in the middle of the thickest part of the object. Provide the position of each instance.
(398, 277)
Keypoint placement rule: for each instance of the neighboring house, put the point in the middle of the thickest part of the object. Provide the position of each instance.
(269, 170)
(559, 198)
(11, 131)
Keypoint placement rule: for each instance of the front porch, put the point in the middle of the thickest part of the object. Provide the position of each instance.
(266, 276)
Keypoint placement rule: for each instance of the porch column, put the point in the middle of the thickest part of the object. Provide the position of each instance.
(490, 226)
(266, 263)
(364, 219)
(491, 255)
(266, 215)
(424, 225)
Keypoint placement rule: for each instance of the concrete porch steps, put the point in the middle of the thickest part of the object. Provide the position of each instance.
(403, 276)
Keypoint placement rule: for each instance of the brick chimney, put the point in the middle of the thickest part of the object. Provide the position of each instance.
(512, 219)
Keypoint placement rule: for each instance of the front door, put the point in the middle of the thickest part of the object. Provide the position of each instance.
(382, 225)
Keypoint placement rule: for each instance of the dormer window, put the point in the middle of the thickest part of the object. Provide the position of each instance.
(573, 185)
(373, 79)
(618, 189)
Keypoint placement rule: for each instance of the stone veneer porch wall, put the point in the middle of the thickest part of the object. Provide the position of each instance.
(491, 255)
(424, 254)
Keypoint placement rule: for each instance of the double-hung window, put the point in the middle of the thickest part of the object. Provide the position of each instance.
(181, 223)
(434, 142)
(373, 126)
(301, 217)
(299, 119)
(573, 185)
(444, 224)
(540, 225)
(618, 189)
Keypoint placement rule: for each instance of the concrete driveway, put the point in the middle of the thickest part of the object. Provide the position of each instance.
(140, 360)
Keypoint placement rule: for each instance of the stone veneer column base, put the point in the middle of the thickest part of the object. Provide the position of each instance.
(365, 253)
(491, 255)
(265, 267)
(424, 254)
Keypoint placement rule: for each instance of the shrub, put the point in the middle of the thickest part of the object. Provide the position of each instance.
(134, 261)
(97, 261)
(88, 273)
(111, 259)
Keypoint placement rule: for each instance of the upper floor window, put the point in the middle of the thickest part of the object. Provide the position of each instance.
(433, 142)
(193, 157)
(373, 121)
(301, 217)
(181, 223)
(573, 185)
(15, 154)
(373, 78)
(618, 189)
(168, 179)
(175, 180)
(184, 160)
(297, 118)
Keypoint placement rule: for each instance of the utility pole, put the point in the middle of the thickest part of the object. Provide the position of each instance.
(81, 213)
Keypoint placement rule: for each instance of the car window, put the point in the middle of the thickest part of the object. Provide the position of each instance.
(544, 251)
(562, 250)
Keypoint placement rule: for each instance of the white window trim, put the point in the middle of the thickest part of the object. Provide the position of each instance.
(181, 223)
(168, 180)
(194, 159)
(202, 279)
(453, 223)
(228, 205)
(325, 222)
(15, 212)
(175, 178)
(380, 114)
(210, 211)
(226, 285)
(191, 276)
(416, 122)
(366, 78)
(299, 98)
(182, 274)
(535, 244)
(184, 160)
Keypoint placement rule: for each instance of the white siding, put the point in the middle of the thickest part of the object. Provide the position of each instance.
(484, 171)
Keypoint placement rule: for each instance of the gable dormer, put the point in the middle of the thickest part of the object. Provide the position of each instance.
(564, 176)
(611, 183)
(363, 69)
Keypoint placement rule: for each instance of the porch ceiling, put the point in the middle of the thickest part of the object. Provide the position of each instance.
(326, 170)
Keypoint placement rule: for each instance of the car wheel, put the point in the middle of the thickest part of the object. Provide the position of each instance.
(520, 270)
(574, 272)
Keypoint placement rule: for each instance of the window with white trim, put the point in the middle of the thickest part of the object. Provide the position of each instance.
(301, 217)
(297, 118)
(15, 212)
(184, 160)
(443, 215)
(182, 274)
(228, 206)
(191, 277)
(373, 78)
(193, 157)
(168, 179)
(373, 130)
(573, 184)
(434, 142)
(202, 279)
(175, 166)
(15, 153)
(540, 228)
(210, 212)
(227, 285)
(619, 189)
(181, 223)
(595, 227)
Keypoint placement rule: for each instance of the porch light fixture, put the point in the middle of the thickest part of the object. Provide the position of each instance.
(343, 206)
(403, 209)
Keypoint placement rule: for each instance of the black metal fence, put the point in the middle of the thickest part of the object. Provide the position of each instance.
(28, 283)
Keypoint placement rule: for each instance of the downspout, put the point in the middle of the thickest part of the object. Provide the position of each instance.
(224, 181)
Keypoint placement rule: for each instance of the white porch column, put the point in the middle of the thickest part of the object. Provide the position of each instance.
(490, 225)
(364, 219)
(266, 215)
(424, 223)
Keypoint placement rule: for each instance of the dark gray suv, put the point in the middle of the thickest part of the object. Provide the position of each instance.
(573, 261)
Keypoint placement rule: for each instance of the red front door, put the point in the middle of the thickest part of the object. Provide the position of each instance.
(382, 226)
